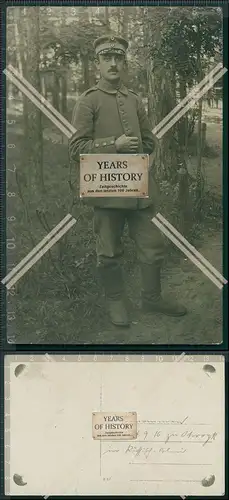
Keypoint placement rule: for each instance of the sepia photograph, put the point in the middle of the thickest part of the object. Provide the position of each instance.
(115, 174)
(101, 432)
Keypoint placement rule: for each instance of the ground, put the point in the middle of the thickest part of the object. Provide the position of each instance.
(59, 300)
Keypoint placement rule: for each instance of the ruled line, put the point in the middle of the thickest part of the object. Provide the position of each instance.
(173, 423)
(164, 463)
(167, 480)
(168, 442)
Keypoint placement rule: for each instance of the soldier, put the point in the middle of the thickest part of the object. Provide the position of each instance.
(109, 118)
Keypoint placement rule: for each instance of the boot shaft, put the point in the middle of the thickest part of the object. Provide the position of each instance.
(112, 280)
(151, 281)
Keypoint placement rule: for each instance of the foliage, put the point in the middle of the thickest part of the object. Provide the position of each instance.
(67, 45)
(62, 289)
(189, 31)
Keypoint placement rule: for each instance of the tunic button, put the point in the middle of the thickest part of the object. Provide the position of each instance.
(104, 144)
(97, 145)
(112, 142)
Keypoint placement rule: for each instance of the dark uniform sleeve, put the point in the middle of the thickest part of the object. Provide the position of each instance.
(82, 141)
(149, 140)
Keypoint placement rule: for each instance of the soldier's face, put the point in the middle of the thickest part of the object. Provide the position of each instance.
(111, 66)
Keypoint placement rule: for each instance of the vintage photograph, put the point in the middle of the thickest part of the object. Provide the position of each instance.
(101, 433)
(114, 81)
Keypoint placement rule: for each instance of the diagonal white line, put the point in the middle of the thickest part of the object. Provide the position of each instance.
(36, 248)
(41, 98)
(165, 119)
(41, 253)
(186, 252)
(191, 103)
(38, 104)
(191, 248)
(163, 130)
(194, 90)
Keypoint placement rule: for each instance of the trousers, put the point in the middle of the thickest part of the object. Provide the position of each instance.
(108, 229)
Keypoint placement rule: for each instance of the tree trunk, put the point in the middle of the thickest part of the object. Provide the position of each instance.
(56, 90)
(150, 78)
(183, 179)
(119, 12)
(64, 107)
(183, 123)
(21, 43)
(64, 76)
(161, 97)
(84, 55)
(106, 17)
(199, 174)
(43, 86)
(34, 139)
(125, 19)
(19, 54)
(85, 65)
(92, 73)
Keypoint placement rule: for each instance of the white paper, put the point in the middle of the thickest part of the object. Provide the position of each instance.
(179, 449)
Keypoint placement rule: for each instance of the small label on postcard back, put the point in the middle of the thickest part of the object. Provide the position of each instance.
(114, 425)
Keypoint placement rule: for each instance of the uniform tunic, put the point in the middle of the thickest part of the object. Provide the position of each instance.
(101, 115)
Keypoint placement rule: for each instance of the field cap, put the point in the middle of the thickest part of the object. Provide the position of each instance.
(110, 44)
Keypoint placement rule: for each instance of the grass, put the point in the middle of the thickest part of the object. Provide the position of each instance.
(59, 301)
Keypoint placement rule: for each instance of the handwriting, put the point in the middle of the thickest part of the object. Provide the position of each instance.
(138, 451)
(206, 437)
(111, 450)
(162, 436)
(166, 422)
(164, 443)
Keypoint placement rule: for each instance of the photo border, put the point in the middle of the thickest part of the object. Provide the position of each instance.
(54, 3)
(176, 349)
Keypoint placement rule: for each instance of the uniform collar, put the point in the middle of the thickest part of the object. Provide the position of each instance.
(107, 87)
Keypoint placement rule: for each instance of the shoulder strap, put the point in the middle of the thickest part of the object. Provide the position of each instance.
(88, 91)
(133, 92)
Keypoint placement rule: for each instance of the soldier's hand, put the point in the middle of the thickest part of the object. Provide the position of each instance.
(125, 144)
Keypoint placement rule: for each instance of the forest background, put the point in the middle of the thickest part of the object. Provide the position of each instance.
(170, 50)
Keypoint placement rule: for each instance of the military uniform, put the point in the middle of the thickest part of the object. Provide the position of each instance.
(102, 114)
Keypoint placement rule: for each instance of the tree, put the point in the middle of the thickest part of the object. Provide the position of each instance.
(169, 50)
(76, 45)
(34, 137)
(18, 15)
(189, 39)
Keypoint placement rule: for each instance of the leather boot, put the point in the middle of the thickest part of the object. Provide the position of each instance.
(112, 281)
(152, 300)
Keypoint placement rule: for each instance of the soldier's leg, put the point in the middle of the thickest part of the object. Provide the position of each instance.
(150, 249)
(108, 229)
